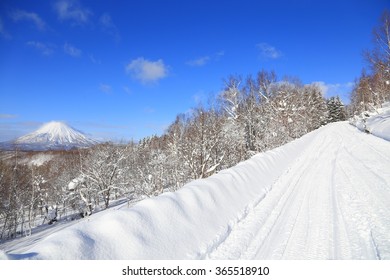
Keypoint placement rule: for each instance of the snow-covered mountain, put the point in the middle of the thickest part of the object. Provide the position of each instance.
(53, 136)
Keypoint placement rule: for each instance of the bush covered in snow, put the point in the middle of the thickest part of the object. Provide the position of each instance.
(376, 121)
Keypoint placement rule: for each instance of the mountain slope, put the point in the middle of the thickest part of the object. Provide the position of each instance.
(53, 136)
(323, 196)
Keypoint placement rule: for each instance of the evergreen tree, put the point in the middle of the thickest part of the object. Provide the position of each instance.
(336, 109)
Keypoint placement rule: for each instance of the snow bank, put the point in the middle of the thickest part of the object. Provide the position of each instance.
(3, 256)
(376, 123)
(187, 224)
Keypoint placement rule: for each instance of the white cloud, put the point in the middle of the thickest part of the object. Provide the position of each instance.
(20, 15)
(45, 49)
(105, 88)
(268, 51)
(199, 61)
(147, 71)
(108, 26)
(340, 89)
(71, 50)
(323, 86)
(73, 11)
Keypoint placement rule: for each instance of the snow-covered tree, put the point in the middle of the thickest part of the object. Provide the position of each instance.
(234, 128)
(315, 107)
(151, 167)
(336, 109)
(202, 138)
(103, 170)
(177, 147)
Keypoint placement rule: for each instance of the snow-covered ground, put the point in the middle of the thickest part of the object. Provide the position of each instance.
(323, 196)
(376, 122)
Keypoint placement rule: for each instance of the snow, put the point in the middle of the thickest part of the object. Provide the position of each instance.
(54, 135)
(376, 123)
(37, 159)
(40, 159)
(75, 182)
(3, 256)
(323, 196)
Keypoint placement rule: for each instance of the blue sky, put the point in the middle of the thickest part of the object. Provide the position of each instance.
(124, 69)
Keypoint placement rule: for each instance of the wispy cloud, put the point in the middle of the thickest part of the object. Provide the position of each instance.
(10, 129)
(127, 90)
(155, 128)
(147, 71)
(107, 132)
(199, 97)
(149, 110)
(219, 54)
(105, 88)
(45, 49)
(3, 32)
(71, 50)
(20, 15)
(269, 52)
(8, 116)
(108, 26)
(94, 60)
(73, 11)
(198, 61)
(203, 60)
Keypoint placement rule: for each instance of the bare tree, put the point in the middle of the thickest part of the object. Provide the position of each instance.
(103, 169)
(371, 90)
(379, 56)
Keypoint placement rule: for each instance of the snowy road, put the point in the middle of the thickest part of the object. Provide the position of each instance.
(333, 202)
(324, 196)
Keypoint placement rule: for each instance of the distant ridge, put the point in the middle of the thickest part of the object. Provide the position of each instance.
(53, 135)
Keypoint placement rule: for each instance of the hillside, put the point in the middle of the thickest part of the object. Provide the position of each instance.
(323, 196)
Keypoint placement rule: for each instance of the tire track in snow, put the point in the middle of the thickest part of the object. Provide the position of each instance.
(259, 225)
(311, 233)
(369, 208)
(242, 234)
(356, 220)
(380, 147)
(341, 241)
(321, 207)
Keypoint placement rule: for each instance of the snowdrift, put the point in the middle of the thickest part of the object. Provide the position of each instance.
(376, 123)
(187, 224)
